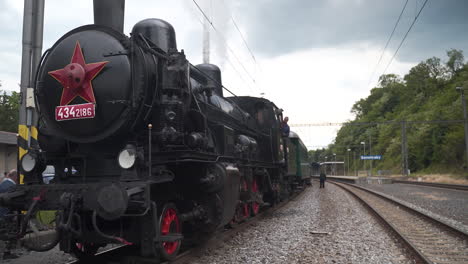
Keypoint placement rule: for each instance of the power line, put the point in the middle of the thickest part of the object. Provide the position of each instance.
(241, 35)
(388, 41)
(389, 122)
(232, 66)
(240, 76)
(224, 40)
(245, 43)
(317, 124)
(403, 40)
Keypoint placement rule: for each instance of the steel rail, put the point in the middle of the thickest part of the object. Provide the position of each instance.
(404, 237)
(421, 213)
(434, 184)
(460, 187)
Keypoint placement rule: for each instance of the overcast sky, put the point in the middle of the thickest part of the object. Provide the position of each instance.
(314, 58)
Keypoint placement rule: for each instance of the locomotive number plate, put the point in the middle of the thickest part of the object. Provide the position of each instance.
(78, 111)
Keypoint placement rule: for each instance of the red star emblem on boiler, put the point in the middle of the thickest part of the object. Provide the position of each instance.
(76, 77)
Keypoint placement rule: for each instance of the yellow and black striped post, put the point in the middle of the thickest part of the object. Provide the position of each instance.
(24, 135)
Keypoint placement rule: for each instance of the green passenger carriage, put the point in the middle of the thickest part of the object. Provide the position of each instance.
(298, 160)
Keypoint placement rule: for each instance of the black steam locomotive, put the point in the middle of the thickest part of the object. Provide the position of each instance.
(146, 149)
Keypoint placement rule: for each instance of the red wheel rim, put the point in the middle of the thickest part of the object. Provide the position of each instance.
(255, 205)
(254, 186)
(170, 224)
(245, 206)
(81, 246)
(246, 210)
(244, 185)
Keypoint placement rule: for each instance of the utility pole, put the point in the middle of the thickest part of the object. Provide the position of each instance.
(33, 24)
(334, 165)
(348, 162)
(364, 161)
(370, 152)
(404, 148)
(465, 122)
(354, 163)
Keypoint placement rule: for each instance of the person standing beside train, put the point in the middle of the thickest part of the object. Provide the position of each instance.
(323, 178)
(7, 184)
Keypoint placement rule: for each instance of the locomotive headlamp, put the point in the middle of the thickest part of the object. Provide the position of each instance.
(28, 162)
(127, 157)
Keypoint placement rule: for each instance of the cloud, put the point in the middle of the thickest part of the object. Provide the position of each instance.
(282, 26)
(10, 44)
(321, 85)
(314, 58)
(58, 20)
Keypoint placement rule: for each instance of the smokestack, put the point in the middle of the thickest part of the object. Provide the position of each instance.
(206, 42)
(109, 13)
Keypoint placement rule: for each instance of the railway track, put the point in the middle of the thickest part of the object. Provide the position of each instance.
(429, 184)
(433, 184)
(127, 254)
(431, 241)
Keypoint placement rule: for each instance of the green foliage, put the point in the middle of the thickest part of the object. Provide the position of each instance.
(9, 104)
(455, 61)
(427, 92)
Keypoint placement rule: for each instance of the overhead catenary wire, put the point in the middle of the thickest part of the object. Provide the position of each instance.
(242, 36)
(233, 67)
(240, 76)
(388, 122)
(257, 65)
(224, 40)
(403, 40)
(388, 41)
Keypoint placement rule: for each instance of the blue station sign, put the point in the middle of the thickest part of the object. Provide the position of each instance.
(371, 157)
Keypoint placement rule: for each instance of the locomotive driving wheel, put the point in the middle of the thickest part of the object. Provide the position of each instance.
(244, 206)
(255, 206)
(169, 225)
(84, 251)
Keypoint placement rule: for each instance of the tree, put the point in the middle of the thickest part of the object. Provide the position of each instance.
(427, 77)
(358, 108)
(455, 61)
(9, 107)
(426, 93)
(436, 69)
(388, 79)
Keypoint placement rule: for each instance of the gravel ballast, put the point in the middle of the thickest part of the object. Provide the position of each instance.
(323, 226)
(53, 256)
(447, 203)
